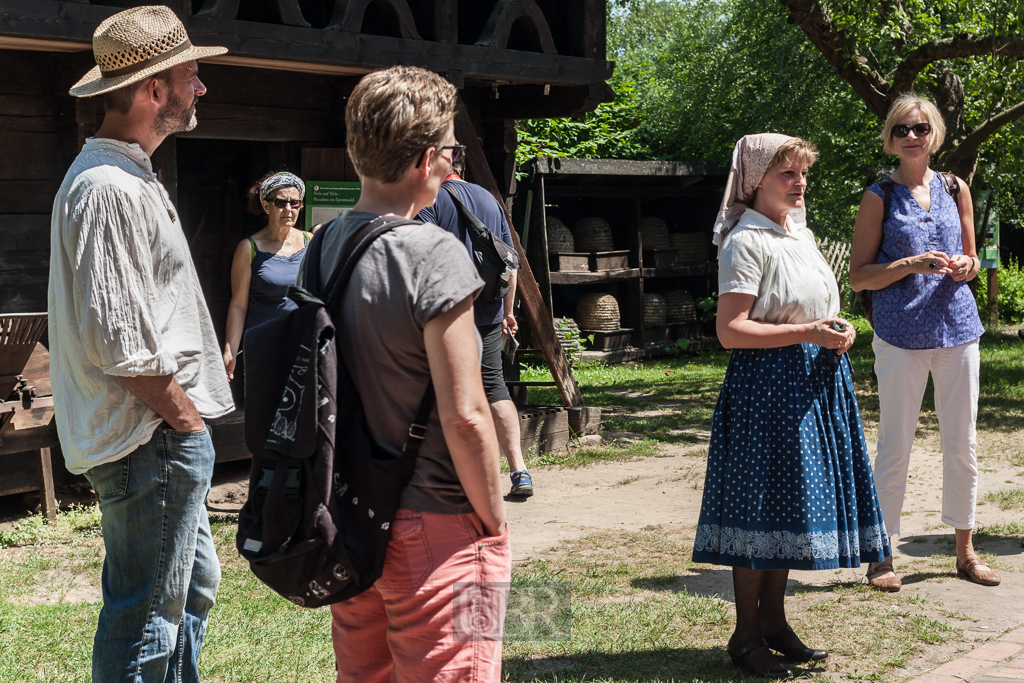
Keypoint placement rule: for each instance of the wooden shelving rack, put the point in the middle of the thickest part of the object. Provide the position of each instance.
(686, 195)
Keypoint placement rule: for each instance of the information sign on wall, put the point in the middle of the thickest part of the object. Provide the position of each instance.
(326, 200)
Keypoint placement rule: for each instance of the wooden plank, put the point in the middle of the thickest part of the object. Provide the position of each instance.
(75, 23)
(259, 124)
(24, 232)
(21, 299)
(620, 167)
(529, 292)
(16, 279)
(24, 73)
(28, 196)
(237, 85)
(26, 440)
(530, 101)
(30, 156)
(47, 499)
(588, 22)
(24, 260)
(311, 163)
(583, 278)
(446, 21)
(29, 114)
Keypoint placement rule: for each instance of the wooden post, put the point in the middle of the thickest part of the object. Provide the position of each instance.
(993, 296)
(529, 292)
(47, 498)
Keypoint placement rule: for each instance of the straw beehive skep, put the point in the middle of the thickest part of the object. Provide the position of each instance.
(595, 311)
(655, 310)
(560, 238)
(594, 234)
(681, 308)
(654, 232)
(692, 246)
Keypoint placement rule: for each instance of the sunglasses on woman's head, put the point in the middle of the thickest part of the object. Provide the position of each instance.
(902, 130)
(282, 203)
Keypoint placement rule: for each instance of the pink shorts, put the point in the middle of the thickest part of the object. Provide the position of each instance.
(436, 613)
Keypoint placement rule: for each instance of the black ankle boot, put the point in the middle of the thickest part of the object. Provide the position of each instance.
(786, 643)
(766, 665)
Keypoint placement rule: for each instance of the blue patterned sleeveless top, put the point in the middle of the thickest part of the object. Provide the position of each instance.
(268, 285)
(923, 311)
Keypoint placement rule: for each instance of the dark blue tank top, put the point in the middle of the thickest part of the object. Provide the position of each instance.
(271, 276)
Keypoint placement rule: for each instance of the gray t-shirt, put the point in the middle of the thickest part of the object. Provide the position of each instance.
(406, 278)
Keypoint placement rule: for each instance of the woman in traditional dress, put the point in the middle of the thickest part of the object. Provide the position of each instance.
(788, 482)
(265, 264)
(915, 258)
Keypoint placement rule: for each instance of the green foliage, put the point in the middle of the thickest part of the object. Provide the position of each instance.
(1011, 293)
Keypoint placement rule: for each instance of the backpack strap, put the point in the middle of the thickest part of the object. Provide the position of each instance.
(356, 246)
(952, 185)
(478, 231)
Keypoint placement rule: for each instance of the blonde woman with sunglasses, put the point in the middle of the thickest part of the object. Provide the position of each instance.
(915, 257)
(266, 263)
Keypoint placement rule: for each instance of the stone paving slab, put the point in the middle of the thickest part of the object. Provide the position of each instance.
(997, 661)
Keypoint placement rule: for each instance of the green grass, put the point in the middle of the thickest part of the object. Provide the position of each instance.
(1007, 499)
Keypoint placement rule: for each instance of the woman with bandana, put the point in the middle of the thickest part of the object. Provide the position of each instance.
(265, 264)
(788, 483)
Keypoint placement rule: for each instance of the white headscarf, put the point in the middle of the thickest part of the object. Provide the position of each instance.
(750, 160)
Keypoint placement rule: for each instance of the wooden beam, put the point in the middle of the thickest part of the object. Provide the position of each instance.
(260, 124)
(310, 48)
(530, 102)
(348, 16)
(504, 16)
(446, 21)
(47, 497)
(529, 293)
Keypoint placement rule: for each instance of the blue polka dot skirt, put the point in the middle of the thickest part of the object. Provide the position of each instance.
(788, 484)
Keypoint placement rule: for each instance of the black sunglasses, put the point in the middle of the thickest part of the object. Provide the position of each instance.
(281, 203)
(902, 130)
(458, 154)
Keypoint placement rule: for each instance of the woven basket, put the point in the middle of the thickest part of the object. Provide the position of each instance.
(681, 308)
(655, 310)
(559, 237)
(692, 246)
(654, 232)
(593, 234)
(596, 311)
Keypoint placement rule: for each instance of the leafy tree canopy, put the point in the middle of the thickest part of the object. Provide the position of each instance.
(693, 76)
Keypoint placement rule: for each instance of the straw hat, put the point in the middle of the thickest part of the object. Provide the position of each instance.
(135, 44)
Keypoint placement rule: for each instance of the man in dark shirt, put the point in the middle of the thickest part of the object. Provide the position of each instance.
(493, 320)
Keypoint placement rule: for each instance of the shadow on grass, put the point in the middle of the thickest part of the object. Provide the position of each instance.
(924, 545)
(709, 583)
(662, 664)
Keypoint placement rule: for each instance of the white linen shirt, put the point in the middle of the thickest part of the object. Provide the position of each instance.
(124, 300)
(783, 269)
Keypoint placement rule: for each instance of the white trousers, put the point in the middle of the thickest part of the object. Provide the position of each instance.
(902, 378)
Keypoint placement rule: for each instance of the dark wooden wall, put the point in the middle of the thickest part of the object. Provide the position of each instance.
(31, 167)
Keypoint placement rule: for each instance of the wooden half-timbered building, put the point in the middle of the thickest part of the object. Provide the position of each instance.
(275, 102)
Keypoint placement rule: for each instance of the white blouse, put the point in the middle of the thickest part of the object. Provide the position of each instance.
(783, 269)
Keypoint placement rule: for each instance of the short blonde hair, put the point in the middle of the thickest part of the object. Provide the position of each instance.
(904, 104)
(393, 116)
(794, 150)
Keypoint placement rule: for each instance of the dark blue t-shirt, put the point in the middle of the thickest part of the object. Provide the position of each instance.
(485, 207)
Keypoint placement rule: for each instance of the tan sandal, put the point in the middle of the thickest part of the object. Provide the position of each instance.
(889, 584)
(977, 571)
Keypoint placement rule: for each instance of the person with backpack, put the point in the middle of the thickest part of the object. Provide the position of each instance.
(493, 315)
(405, 321)
(914, 253)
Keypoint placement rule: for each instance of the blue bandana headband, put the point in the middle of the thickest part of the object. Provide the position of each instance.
(279, 180)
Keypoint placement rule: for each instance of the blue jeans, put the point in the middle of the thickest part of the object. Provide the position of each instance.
(161, 571)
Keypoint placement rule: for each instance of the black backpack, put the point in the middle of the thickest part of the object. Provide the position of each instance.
(949, 182)
(322, 494)
(494, 259)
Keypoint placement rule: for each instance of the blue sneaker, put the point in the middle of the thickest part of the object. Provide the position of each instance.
(522, 484)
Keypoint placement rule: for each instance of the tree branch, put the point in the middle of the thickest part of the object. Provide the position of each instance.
(840, 53)
(962, 45)
(979, 135)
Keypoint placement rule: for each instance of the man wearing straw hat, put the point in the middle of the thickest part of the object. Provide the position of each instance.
(134, 360)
